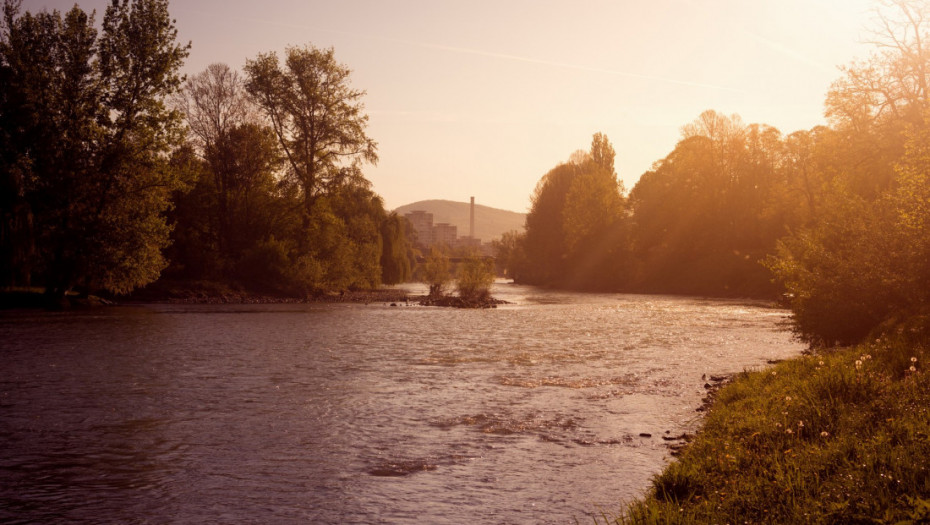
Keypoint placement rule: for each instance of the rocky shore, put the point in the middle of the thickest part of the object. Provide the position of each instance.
(452, 301)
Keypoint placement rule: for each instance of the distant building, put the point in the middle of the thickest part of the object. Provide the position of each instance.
(468, 242)
(429, 234)
(444, 233)
(422, 223)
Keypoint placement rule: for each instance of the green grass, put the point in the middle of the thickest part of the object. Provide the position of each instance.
(842, 436)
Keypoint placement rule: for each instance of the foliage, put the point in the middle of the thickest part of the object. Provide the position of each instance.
(834, 216)
(509, 255)
(266, 215)
(85, 135)
(317, 117)
(436, 271)
(475, 277)
(706, 214)
(864, 263)
(699, 222)
(839, 437)
(397, 258)
(574, 225)
(240, 157)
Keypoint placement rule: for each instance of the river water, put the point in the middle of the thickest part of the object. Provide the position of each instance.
(546, 410)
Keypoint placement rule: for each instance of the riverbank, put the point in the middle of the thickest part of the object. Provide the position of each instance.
(840, 436)
(209, 292)
(196, 292)
(29, 298)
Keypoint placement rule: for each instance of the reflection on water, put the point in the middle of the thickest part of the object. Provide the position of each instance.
(540, 411)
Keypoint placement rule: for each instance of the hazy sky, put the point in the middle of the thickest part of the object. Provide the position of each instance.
(481, 98)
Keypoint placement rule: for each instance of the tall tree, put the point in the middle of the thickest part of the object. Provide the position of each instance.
(892, 85)
(89, 129)
(240, 155)
(574, 226)
(545, 229)
(602, 153)
(862, 264)
(397, 251)
(317, 116)
(707, 213)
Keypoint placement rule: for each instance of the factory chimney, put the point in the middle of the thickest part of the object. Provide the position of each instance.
(471, 225)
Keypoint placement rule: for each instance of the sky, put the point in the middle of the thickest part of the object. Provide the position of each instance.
(483, 97)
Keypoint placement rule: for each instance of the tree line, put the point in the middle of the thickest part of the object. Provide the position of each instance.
(835, 218)
(116, 170)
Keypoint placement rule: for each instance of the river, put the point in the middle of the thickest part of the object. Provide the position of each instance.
(546, 410)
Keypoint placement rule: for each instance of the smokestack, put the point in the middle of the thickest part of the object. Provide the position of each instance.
(471, 225)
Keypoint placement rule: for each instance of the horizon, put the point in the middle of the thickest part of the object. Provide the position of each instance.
(482, 100)
(466, 203)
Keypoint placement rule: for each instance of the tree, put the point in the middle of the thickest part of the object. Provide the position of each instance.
(509, 255)
(545, 232)
(436, 271)
(892, 85)
(214, 104)
(876, 99)
(88, 135)
(862, 264)
(706, 214)
(397, 251)
(835, 272)
(602, 154)
(475, 277)
(241, 159)
(317, 117)
(574, 226)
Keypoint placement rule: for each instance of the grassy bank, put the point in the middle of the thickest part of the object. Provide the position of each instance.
(841, 436)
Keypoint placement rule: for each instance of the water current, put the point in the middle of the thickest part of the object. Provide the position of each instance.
(547, 410)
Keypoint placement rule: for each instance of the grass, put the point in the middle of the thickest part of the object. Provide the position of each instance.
(840, 436)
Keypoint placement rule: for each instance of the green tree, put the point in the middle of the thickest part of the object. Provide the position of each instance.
(833, 272)
(397, 252)
(475, 277)
(545, 232)
(88, 135)
(705, 215)
(603, 154)
(862, 263)
(241, 158)
(576, 236)
(910, 205)
(233, 205)
(509, 255)
(317, 116)
(876, 99)
(436, 271)
(593, 206)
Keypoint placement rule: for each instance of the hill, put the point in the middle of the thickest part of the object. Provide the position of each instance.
(490, 223)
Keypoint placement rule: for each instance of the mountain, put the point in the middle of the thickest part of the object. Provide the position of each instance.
(490, 223)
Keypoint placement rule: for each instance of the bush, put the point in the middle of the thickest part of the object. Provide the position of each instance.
(265, 265)
(475, 278)
(436, 272)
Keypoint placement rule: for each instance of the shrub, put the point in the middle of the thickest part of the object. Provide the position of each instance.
(436, 272)
(476, 275)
